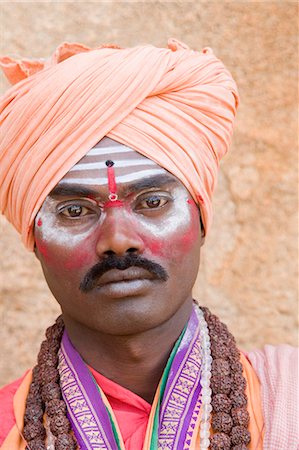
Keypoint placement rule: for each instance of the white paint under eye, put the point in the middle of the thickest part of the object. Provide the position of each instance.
(51, 231)
(125, 163)
(107, 151)
(130, 177)
(178, 219)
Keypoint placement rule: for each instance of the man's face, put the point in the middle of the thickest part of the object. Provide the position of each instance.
(123, 264)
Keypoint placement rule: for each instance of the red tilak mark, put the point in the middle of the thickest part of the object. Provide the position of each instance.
(111, 182)
(113, 204)
(39, 222)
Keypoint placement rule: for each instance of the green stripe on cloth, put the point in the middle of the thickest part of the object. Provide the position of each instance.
(154, 438)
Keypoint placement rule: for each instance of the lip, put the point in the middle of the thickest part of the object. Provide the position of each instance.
(121, 276)
(131, 282)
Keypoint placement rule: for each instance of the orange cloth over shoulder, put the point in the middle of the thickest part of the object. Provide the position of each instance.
(174, 105)
(14, 440)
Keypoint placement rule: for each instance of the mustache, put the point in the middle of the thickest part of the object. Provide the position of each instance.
(89, 281)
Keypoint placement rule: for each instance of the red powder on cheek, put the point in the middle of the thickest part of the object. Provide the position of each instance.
(77, 259)
(187, 239)
(172, 247)
(39, 222)
(155, 246)
(81, 256)
(71, 260)
(177, 243)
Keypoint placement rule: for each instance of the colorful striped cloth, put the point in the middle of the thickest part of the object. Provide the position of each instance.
(277, 370)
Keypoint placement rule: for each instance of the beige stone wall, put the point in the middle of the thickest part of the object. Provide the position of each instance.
(249, 264)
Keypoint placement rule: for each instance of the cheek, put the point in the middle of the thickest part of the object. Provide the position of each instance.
(156, 246)
(60, 251)
(188, 238)
(78, 258)
(60, 257)
(181, 240)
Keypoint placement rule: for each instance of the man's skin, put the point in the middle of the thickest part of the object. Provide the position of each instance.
(125, 324)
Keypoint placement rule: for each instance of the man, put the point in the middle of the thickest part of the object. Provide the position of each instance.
(109, 160)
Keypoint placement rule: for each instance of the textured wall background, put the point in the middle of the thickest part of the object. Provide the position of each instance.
(249, 264)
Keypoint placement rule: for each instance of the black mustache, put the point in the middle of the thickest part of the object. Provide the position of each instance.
(89, 282)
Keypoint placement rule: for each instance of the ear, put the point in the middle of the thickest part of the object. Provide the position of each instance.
(36, 252)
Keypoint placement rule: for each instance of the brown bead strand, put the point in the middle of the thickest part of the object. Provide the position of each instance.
(45, 397)
(230, 417)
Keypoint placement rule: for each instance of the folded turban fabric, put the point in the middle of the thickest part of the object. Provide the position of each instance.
(175, 106)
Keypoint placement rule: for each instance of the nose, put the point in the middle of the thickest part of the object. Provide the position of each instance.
(118, 235)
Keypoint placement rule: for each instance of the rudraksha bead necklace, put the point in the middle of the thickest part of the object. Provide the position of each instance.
(230, 417)
(223, 392)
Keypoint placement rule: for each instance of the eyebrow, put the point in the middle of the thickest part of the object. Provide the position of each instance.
(156, 181)
(67, 190)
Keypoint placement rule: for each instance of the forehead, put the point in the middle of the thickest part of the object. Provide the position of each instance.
(129, 165)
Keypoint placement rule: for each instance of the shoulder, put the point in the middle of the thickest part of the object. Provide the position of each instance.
(277, 370)
(275, 365)
(7, 418)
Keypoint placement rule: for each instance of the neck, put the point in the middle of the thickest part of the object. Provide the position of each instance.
(136, 361)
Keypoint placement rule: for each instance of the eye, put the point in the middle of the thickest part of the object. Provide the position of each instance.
(74, 211)
(152, 202)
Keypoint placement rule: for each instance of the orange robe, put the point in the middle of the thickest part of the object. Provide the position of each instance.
(131, 412)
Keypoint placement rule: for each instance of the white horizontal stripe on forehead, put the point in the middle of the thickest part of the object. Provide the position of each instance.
(101, 165)
(109, 150)
(119, 179)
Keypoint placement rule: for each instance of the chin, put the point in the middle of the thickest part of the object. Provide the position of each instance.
(136, 315)
(123, 316)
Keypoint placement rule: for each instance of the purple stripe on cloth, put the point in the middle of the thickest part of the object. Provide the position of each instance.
(180, 404)
(189, 418)
(180, 357)
(88, 414)
(64, 371)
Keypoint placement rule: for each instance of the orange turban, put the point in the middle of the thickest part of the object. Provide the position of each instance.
(175, 106)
